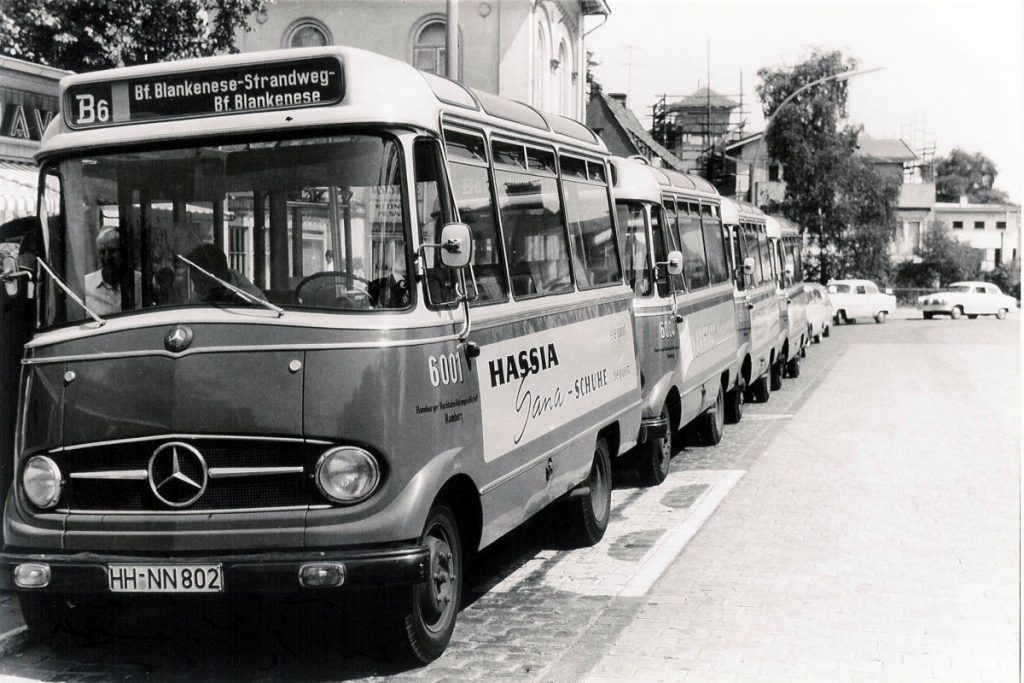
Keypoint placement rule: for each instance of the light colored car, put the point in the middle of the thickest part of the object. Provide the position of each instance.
(967, 298)
(819, 311)
(854, 299)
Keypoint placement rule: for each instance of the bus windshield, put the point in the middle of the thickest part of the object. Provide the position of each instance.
(314, 223)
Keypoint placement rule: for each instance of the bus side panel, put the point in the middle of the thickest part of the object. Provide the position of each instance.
(707, 340)
(541, 424)
(764, 327)
(657, 341)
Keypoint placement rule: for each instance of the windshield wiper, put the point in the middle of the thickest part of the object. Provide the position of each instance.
(67, 290)
(245, 296)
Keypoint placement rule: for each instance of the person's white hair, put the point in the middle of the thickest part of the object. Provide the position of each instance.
(103, 234)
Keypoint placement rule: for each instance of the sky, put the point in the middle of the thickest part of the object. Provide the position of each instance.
(951, 69)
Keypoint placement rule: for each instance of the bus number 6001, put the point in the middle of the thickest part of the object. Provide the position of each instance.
(446, 369)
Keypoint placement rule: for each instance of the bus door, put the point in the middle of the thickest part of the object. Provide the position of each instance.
(760, 298)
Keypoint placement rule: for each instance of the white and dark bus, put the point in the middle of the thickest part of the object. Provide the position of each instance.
(758, 318)
(787, 264)
(312, 321)
(687, 339)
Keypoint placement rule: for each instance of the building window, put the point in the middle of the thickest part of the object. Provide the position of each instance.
(307, 33)
(979, 225)
(958, 225)
(428, 52)
(774, 173)
(1000, 225)
(564, 82)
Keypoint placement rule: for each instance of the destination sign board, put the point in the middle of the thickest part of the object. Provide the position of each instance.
(242, 89)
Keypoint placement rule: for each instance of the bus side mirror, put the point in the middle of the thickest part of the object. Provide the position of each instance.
(674, 263)
(456, 245)
(748, 265)
(9, 274)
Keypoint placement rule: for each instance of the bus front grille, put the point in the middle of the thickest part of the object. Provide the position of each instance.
(243, 474)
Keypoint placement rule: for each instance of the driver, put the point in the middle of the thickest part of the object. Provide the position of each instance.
(103, 286)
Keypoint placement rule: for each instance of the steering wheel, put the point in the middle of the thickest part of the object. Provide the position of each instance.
(321, 289)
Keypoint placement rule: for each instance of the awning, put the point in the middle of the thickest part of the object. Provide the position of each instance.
(18, 191)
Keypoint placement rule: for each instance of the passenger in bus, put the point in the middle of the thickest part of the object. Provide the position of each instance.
(206, 290)
(103, 286)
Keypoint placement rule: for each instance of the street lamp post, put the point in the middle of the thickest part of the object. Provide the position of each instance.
(754, 199)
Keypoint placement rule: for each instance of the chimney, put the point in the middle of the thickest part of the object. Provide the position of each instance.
(963, 200)
(619, 97)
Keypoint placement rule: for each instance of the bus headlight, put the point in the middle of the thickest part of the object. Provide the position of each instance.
(347, 475)
(42, 481)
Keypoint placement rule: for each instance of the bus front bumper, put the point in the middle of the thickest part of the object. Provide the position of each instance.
(242, 574)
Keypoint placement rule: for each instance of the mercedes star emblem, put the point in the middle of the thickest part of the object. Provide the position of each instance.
(179, 338)
(177, 474)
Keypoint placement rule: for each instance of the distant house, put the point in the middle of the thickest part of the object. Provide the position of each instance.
(622, 132)
(992, 228)
(892, 157)
(769, 176)
(695, 123)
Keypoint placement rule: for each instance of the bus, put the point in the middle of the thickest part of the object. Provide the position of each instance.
(312, 321)
(675, 261)
(786, 245)
(758, 318)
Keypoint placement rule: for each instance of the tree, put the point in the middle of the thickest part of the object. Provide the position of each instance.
(86, 35)
(941, 260)
(835, 196)
(963, 174)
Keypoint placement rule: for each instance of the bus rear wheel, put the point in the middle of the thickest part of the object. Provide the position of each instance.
(776, 375)
(426, 613)
(655, 455)
(711, 424)
(760, 391)
(734, 403)
(590, 506)
(793, 367)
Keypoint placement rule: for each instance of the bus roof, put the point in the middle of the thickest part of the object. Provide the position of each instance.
(360, 87)
(636, 179)
(734, 211)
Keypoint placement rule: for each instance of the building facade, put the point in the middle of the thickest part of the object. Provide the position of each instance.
(28, 102)
(994, 229)
(527, 50)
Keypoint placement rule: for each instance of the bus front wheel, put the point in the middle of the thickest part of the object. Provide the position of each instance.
(655, 455)
(734, 403)
(426, 613)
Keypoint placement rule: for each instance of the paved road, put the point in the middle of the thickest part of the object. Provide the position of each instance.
(862, 525)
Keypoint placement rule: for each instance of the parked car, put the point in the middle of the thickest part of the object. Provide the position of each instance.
(819, 311)
(967, 298)
(854, 299)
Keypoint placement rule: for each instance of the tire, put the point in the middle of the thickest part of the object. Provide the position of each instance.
(734, 404)
(588, 515)
(972, 316)
(760, 391)
(928, 316)
(828, 331)
(816, 339)
(1001, 314)
(956, 312)
(793, 367)
(775, 375)
(880, 317)
(653, 457)
(711, 424)
(426, 612)
(841, 318)
(44, 613)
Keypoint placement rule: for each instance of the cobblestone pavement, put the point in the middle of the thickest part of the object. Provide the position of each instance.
(859, 537)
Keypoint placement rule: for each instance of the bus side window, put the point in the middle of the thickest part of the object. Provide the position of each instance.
(635, 256)
(695, 265)
(531, 221)
(471, 184)
(750, 250)
(711, 224)
(433, 211)
(663, 243)
(588, 211)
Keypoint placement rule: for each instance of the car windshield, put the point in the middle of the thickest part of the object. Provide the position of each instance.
(300, 223)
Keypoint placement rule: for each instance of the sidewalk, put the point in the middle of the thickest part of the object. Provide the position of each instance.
(12, 629)
(850, 555)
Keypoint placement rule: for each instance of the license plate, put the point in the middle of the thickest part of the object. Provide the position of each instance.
(165, 578)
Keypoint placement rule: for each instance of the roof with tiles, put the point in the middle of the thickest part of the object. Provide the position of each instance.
(631, 124)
